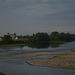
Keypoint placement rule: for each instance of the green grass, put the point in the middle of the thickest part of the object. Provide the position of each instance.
(2, 73)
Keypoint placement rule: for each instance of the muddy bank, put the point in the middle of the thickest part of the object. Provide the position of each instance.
(73, 50)
(3, 51)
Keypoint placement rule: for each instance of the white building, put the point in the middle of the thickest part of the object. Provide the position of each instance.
(13, 36)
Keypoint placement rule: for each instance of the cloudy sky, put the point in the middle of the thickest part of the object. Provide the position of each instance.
(30, 16)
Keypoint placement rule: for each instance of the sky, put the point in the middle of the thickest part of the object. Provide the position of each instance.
(25, 17)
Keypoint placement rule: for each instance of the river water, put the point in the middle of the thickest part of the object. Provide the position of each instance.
(20, 67)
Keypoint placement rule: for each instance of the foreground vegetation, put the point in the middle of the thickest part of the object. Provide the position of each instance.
(2, 73)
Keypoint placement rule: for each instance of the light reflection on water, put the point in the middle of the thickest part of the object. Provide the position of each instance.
(26, 50)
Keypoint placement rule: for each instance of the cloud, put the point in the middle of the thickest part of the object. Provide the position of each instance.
(30, 16)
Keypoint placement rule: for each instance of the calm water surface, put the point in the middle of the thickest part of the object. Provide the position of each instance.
(19, 67)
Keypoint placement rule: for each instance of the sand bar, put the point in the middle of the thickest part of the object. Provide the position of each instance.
(66, 61)
(37, 54)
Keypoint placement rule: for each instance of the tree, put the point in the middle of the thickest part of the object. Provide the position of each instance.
(41, 37)
(54, 36)
(68, 37)
(62, 36)
(7, 39)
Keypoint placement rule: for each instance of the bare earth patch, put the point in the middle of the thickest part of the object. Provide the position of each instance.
(3, 51)
(73, 50)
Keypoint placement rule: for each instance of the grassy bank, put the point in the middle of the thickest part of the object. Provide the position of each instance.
(2, 73)
(66, 61)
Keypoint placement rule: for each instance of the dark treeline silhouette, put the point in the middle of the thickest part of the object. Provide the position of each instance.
(39, 38)
(54, 36)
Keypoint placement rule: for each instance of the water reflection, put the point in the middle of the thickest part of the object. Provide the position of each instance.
(39, 45)
(42, 45)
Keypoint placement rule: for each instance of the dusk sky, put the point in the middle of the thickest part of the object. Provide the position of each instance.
(31, 16)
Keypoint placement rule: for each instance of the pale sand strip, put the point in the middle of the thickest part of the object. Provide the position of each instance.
(37, 54)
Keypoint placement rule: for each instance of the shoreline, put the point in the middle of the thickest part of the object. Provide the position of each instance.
(37, 54)
(1, 51)
(73, 50)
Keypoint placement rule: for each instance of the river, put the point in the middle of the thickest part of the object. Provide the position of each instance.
(20, 67)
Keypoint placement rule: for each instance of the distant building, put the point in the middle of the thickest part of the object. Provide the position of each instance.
(13, 36)
(0, 38)
(20, 37)
(16, 38)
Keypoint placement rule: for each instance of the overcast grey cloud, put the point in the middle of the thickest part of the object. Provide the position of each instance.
(31, 16)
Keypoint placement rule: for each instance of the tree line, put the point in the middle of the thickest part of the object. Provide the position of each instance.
(39, 37)
(6, 39)
(54, 36)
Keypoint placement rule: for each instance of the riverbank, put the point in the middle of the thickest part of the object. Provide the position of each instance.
(64, 60)
(73, 50)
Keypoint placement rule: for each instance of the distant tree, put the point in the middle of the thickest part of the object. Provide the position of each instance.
(73, 37)
(40, 37)
(7, 39)
(68, 37)
(54, 36)
(54, 33)
(62, 36)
